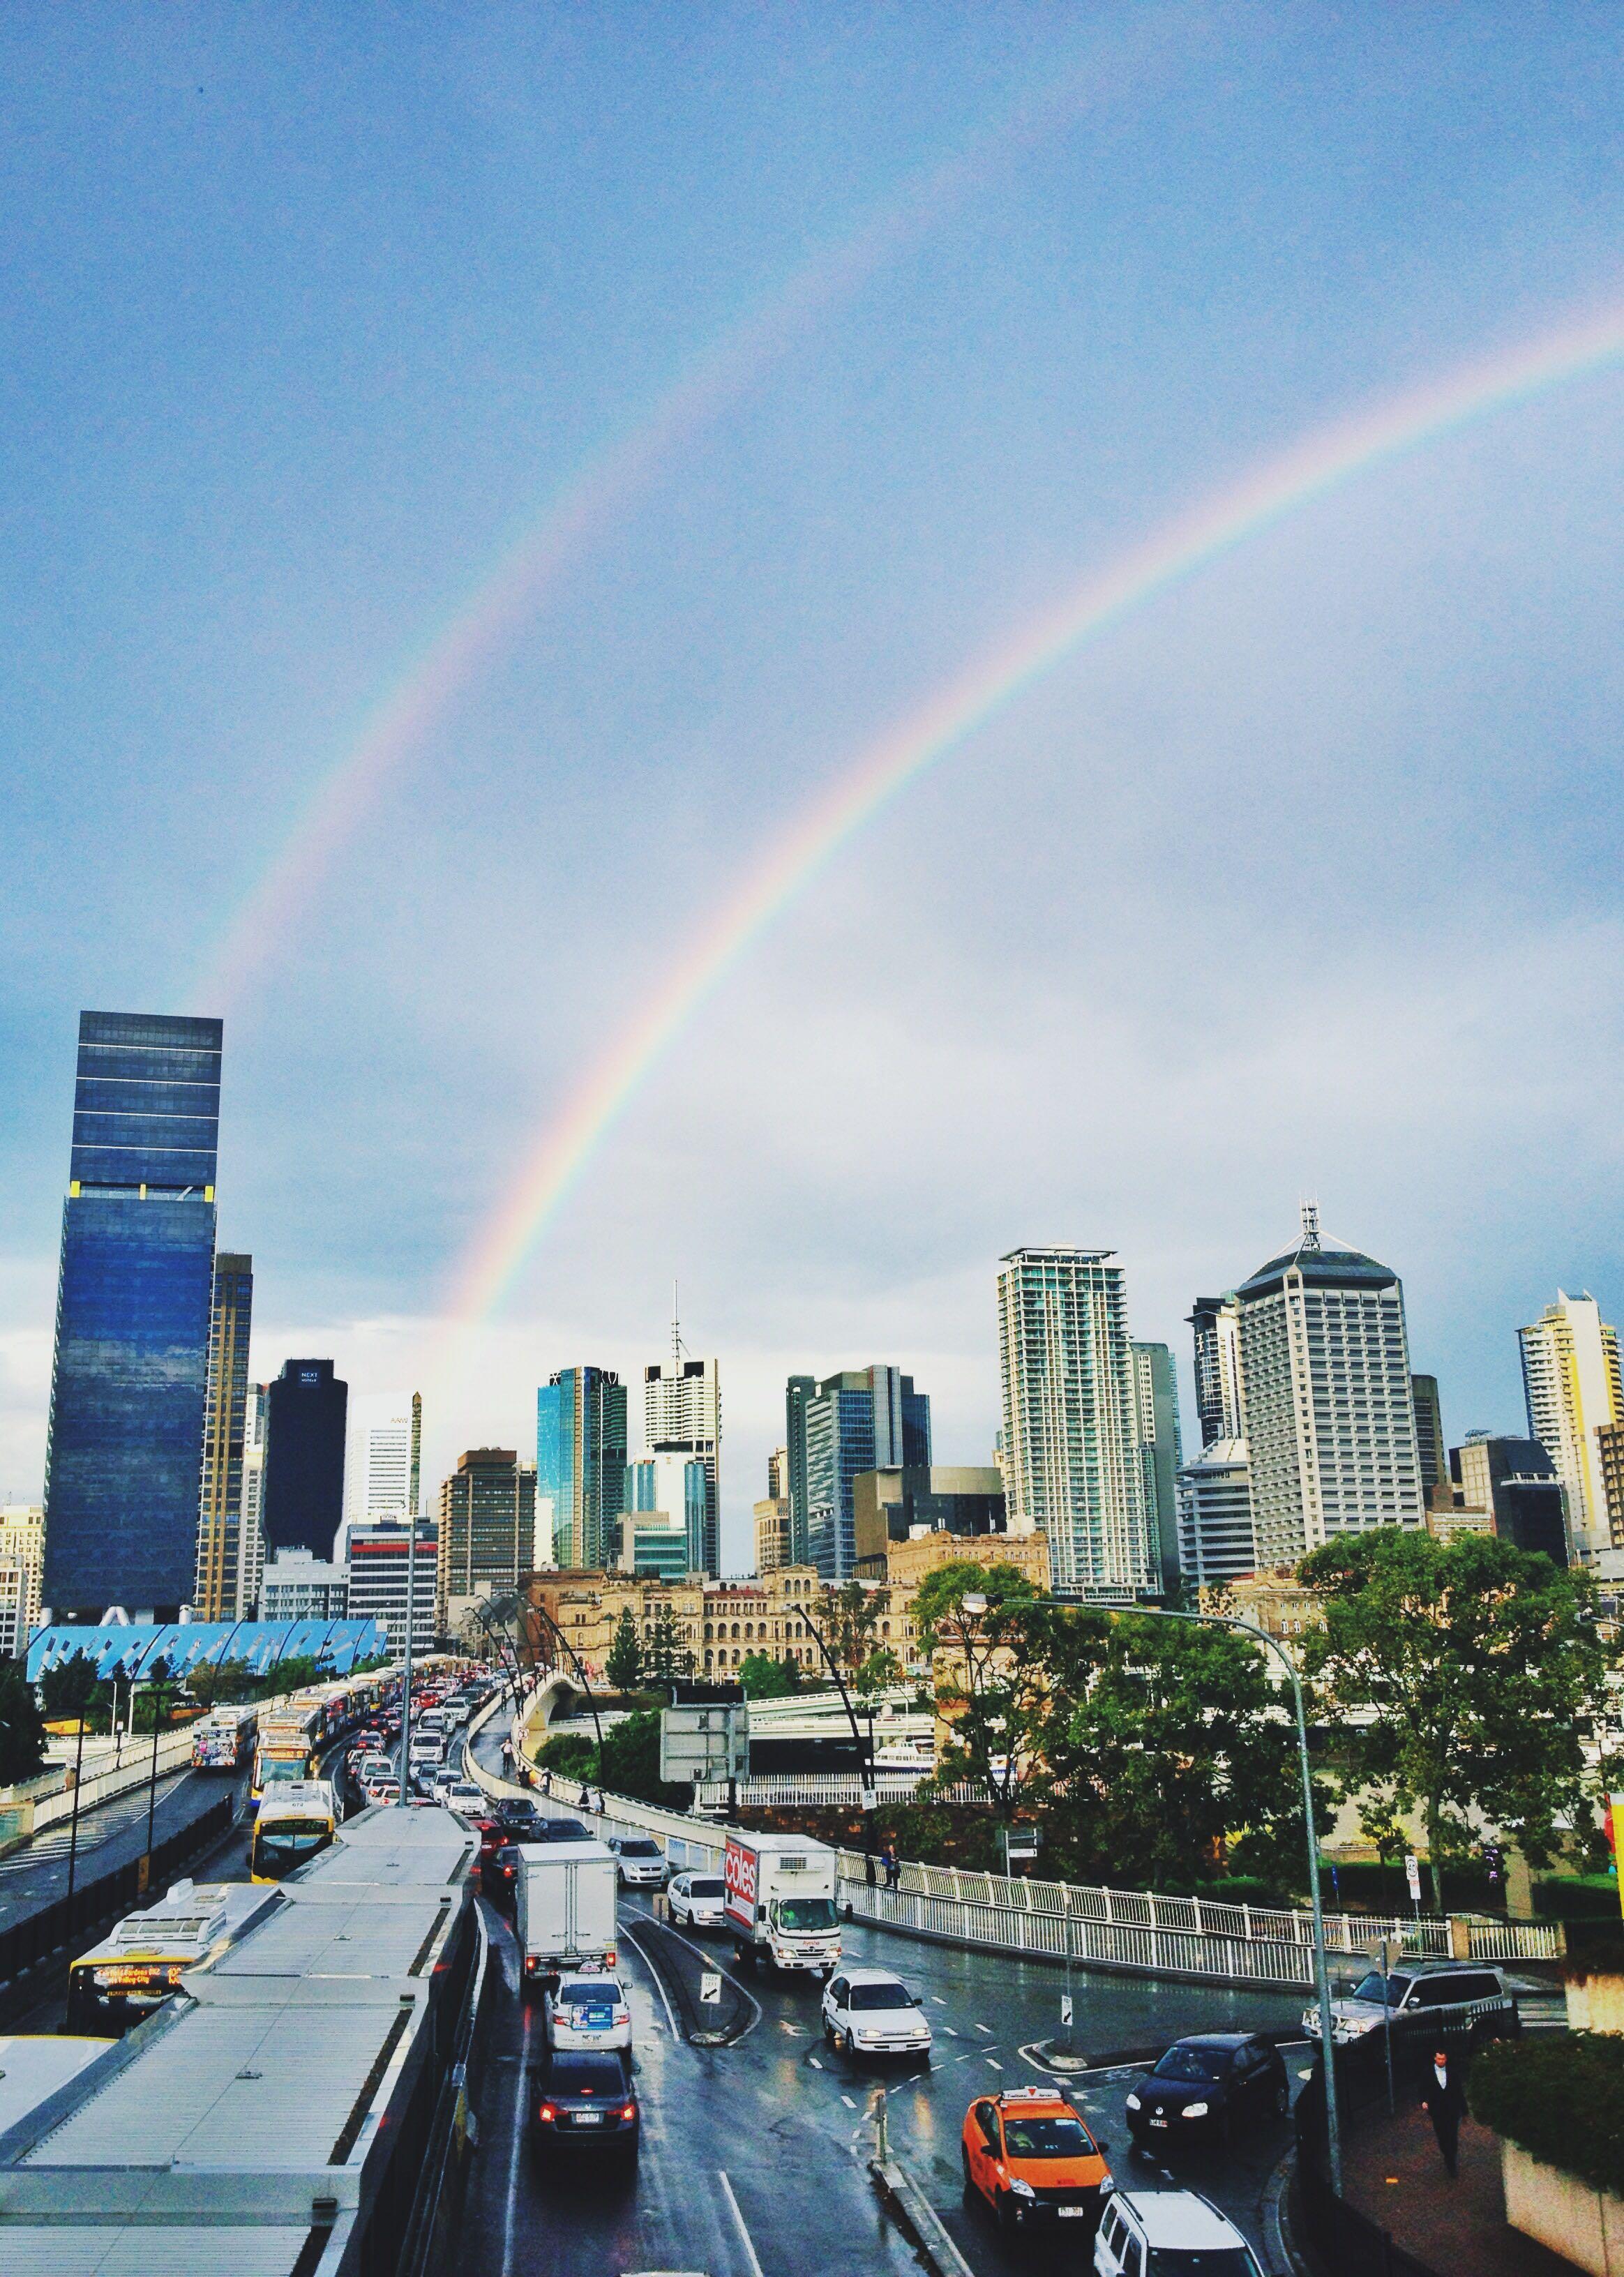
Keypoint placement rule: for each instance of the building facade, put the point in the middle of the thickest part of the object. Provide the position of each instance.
(667, 1505)
(296, 1586)
(797, 1392)
(1216, 1543)
(1161, 1451)
(124, 1463)
(1514, 1482)
(382, 1456)
(1572, 1384)
(1214, 1325)
(1431, 1452)
(1330, 1414)
(487, 1530)
(721, 1623)
(774, 1534)
(1072, 1464)
(907, 1562)
(865, 1418)
(301, 1500)
(224, 1415)
(580, 1461)
(250, 1528)
(681, 1415)
(892, 1505)
(22, 1554)
(380, 1556)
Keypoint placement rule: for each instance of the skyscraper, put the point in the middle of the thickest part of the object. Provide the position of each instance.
(123, 1466)
(226, 1407)
(1515, 1480)
(1071, 1460)
(1215, 1540)
(487, 1530)
(672, 1486)
(302, 1498)
(799, 1390)
(581, 1462)
(250, 1526)
(865, 1418)
(682, 1414)
(1161, 1451)
(383, 1455)
(1216, 1322)
(1431, 1454)
(1329, 1414)
(1571, 1381)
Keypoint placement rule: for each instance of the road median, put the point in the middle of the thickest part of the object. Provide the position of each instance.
(918, 2218)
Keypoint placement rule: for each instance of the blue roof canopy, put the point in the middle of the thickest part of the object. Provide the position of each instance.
(136, 1647)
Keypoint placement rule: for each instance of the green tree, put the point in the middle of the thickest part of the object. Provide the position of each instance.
(851, 1625)
(666, 1658)
(22, 1727)
(630, 1762)
(766, 1678)
(881, 1668)
(1167, 1754)
(69, 1689)
(624, 1665)
(990, 1685)
(1465, 1676)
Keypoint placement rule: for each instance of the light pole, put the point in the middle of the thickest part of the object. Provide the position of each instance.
(974, 1602)
(865, 1755)
(403, 1799)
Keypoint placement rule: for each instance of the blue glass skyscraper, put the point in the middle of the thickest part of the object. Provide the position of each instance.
(581, 1462)
(124, 1459)
(868, 1419)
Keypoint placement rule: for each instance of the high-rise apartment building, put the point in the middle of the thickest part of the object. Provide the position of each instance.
(581, 1463)
(665, 1513)
(1215, 1540)
(778, 1474)
(1215, 1322)
(798, 1391)
(682, 1414)
(302, 1497)
(1329, 1413)
(382, 1456)
(1571, 1382)
(381, 1561)
(22, 1574)
(1431, 1453)
(1515, 1482)
(1161, 1451)
(865, 1418)
(1610, 1453)
(487, 1530)
(224, 1412)
(124, 1467)
(1071, 1461)
(250, 1526)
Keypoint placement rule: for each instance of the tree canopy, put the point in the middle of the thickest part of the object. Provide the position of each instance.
(624, 1664)
(22, 1727)
(766, 1678)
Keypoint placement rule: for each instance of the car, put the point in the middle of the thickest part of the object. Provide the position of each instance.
(462, 1794)
(1208, 2083)
(559, 1830)
(868, 2012)
(585, 2104)
(382, 1791)
(521, 1816)
(640, 1862)
(1424, 2001)
(1142, 2233)
(1029, 2155)
(498, 1872)
(698, 1899)
(587, 2012)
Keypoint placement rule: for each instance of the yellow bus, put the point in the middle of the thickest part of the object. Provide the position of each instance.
(289, 1747)
(139, 1964)
(295, 1823)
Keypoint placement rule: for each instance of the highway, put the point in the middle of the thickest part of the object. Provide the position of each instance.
(754, 2156)
(108, 1836)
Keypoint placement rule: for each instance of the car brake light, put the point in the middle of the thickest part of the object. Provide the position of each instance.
(628, 2111)
(546, 2115)
(608, 1959)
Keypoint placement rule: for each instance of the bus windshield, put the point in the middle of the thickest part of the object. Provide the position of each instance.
(275, 1769)
(282, 1844)
(805, 1913)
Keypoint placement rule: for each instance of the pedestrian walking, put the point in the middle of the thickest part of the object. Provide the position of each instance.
(893, 1868)
(1444, 2097)
(546, 1783)
(868, 1868)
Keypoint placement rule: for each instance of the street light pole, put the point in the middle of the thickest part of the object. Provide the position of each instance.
(79, 1764)
(403, 1800)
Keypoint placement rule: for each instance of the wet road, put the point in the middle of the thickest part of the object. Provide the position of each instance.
(109, 1835)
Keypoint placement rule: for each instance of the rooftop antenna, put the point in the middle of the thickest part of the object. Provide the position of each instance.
(677, 1336)
(1310, 1225)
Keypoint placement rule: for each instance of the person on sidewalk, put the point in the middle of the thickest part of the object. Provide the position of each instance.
(868, 1868)
(893, 1867)
(1443, 2097)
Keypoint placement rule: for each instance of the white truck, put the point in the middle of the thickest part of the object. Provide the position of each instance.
(780, 1900)
(564, 1901)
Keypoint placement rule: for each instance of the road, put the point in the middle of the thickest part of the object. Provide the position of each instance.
(788, 2123)
(109, 1835)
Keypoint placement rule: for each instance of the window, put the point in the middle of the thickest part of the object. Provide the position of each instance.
(881, 1997)
(1133, 2260)
(1194, 2065)
(1044, 2138)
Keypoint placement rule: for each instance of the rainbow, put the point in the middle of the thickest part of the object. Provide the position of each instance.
(1319, 462)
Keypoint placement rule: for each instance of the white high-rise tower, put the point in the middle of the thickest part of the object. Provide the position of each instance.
(1571, 1381)
(682, 1414)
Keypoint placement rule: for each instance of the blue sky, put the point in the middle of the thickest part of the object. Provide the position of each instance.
(1305, 881)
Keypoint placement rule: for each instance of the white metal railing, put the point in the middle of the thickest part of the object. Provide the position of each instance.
(834, 1790)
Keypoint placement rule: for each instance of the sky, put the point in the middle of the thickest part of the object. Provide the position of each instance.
(475, 477)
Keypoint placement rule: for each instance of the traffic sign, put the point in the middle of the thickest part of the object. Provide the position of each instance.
(1065, 2009)
(1412, 1875)
(710, 1984)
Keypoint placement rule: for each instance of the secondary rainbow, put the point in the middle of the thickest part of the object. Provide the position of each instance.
(1318, 462)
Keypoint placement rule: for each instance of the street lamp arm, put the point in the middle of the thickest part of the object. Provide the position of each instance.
(575, 1662)
(865, 1755)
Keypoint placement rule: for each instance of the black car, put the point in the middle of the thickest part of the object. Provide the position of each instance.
(1213, 2083)
(584, 2101)
(559, 1830)
(499, 1870)
(516, 1812)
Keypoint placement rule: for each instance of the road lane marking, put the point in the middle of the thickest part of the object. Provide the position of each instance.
(995, 2063)
(658, 1987)
(984, 2028)
(938, 2000)
(518, 2139)
(749, 2247)
(951, 2034)
(814, 2061)
(850, 2101)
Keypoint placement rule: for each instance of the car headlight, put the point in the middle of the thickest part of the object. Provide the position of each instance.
(1133, 2104)
(1355, 2027)
(1022, 2190)
(1196, 2110)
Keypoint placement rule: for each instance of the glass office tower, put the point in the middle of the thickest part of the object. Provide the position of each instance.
(125, 1460)
(581, 1462)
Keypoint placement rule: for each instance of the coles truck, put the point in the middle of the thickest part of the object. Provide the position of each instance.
(779, 1902)
(564, 1901)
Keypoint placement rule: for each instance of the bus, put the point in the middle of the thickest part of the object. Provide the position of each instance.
(292, 1827)
(139, 1964)
(224, 1739)
(290, 1742)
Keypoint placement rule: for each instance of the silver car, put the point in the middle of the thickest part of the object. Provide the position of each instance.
(698, 1899)
(640, 1862)
(1425, 2000)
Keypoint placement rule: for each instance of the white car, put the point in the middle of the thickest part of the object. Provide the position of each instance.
(868, 2012)
(1143, 2230)
(462, 1794)
(587, 2012)
(698, 1899)
(640, 1862)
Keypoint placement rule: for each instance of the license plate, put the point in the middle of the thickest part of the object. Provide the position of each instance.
(1158, 2122)
(1071, 2213)
(588, 2119)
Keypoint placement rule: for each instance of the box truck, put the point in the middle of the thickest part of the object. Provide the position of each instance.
(780, 1900)
(564, 1896)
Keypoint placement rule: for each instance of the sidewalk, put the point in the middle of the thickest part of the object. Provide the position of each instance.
(1392, 2171)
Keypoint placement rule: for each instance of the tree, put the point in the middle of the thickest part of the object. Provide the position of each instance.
(68, 1690)
(1474, 1675)
(851, 1625)
(990, 1687)
(766, 1678)
(1167, 1753)
(666, 1658)
(624, 1663)
(629, 1762)
(22, 1727)
(882, 1669)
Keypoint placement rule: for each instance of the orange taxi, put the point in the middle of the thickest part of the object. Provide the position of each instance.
(1029, 2155)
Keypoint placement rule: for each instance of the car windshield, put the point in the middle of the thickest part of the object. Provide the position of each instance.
(706, 1886)
(1045, 2138)
(562, 1830)
(589, 1992)
(1196, 2065)
(640, 1850)
(882, 1996)
(1369, 1988)
(805, 1913)
(1202, 2261)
